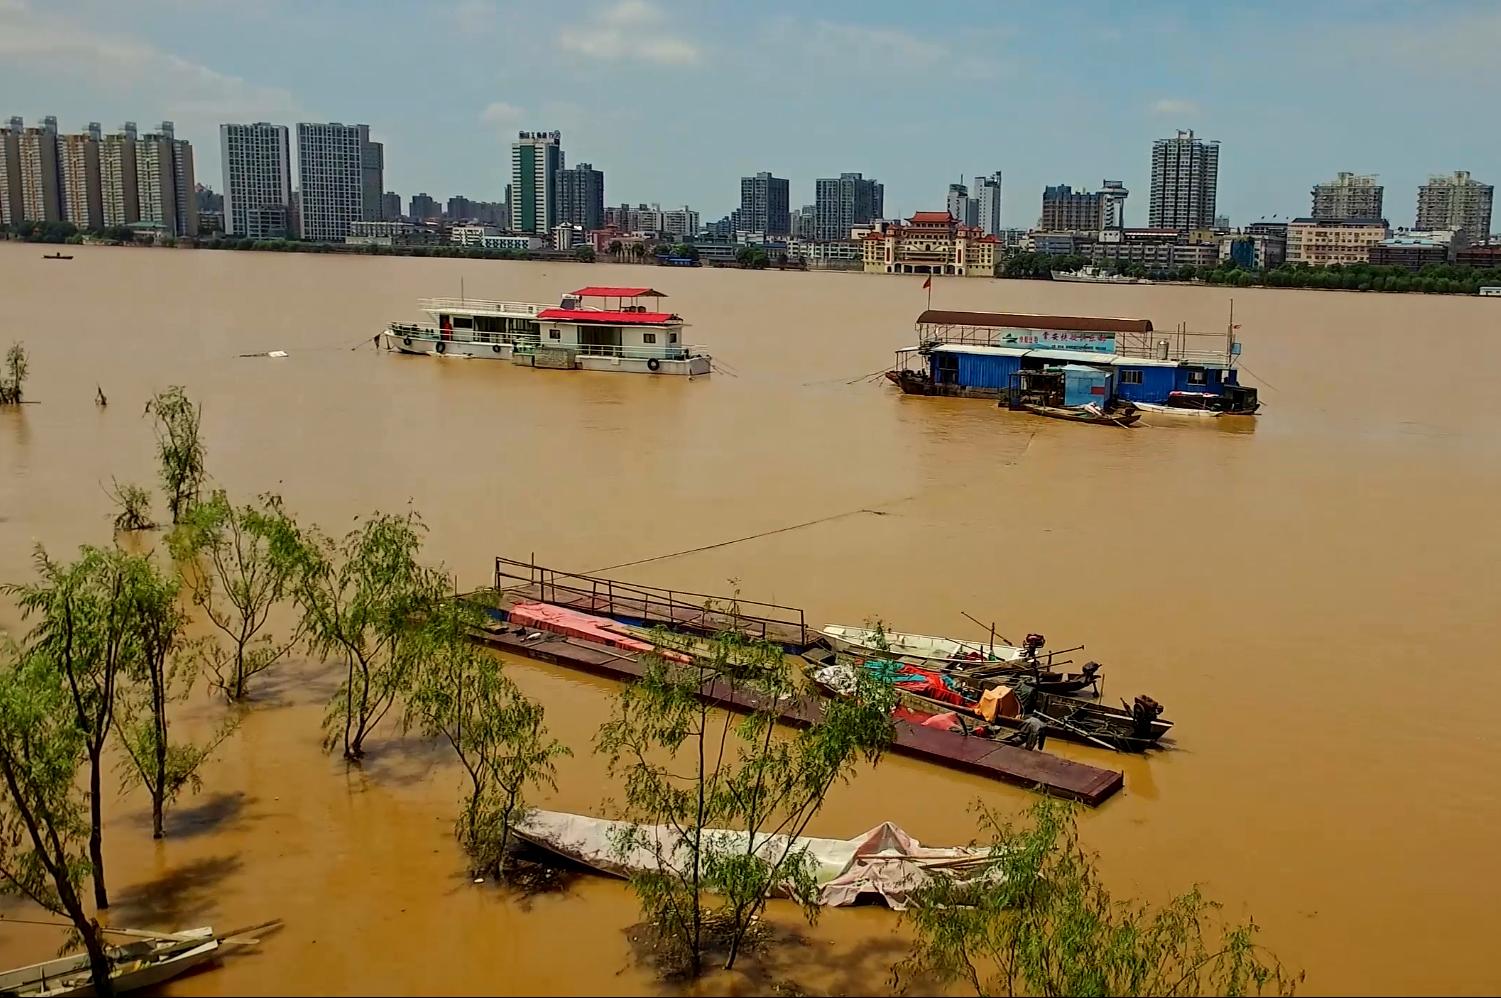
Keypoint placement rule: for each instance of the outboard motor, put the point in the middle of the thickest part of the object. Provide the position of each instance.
(1144, 711)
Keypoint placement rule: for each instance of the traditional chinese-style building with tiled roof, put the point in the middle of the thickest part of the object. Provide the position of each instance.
(931, 242)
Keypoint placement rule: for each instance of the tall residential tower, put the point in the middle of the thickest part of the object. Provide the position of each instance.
(1348, 195)
(839, 204)
(763, 205)
(257, 163)
(1185, 176)
(335, 164)
(536, 160)
(1456, 202)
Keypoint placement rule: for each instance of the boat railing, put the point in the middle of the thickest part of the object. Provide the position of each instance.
(485, 305)
(461, 335)
(653, 604)
(647, 352)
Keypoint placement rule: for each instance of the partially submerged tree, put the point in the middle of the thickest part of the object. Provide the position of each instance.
(179, 448)
(85, 627)
(693, 768)
(158, 676)
(498, 735)
(1043, 924)
(246, 560)
(42, 826)
(13, 376)
(133, 507)
(365, 600)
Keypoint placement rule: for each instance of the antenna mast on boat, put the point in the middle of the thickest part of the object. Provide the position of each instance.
(461, 287)
(1230, 336)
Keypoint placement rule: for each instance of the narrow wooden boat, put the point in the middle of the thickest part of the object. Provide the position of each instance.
(144, 963)
(1204, 405)
(1085, 414)
(979, 661)
(57, 256)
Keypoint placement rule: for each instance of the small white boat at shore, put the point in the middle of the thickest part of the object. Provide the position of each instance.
(620, 334)
(144, 963)
(1233, 401)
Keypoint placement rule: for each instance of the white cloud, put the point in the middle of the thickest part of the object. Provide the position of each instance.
(1175, 105)
(631, 30)
(180, 86)
(501, 113)
(475, 16)
(861, 47)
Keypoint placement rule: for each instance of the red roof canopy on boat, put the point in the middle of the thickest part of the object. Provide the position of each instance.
(605, 292)
(607, 318)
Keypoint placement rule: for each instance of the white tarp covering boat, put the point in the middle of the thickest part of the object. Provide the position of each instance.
(884, 863)
(920, 645)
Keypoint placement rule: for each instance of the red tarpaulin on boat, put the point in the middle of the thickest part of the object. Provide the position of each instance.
(573, 624)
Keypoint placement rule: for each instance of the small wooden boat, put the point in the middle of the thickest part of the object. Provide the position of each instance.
(1235, 401)
(978, 661)
(144, 963)
(57, 256)
(1122, 417)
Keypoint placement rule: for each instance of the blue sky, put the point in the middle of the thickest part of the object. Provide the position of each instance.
(676, 100)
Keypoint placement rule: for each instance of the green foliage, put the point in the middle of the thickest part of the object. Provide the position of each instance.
(365, 600)
(1043, 924)
(497, 734)
(583, 254)
(244, 561)
(692, 768)
(13, 377)
(134, 507)
(752, 257)
(43, 831)
(158, 676)
(179, 448)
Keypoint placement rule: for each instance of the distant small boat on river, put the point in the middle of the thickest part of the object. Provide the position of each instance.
(57, 256)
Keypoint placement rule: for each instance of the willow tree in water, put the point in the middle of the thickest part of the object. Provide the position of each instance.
(364, 601)
(1042, 923)
(160, 674)
(13, 376)
(694, 768)
(243, 561)
(179, 448)
(462, 695)
(85, 628)
(43, 831)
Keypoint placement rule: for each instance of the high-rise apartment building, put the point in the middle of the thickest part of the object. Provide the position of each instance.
(117, 177)
(1456, 202)
(373, 179)
(10, 171)
(581, 196)
(185, 188)
(41, 180)
(1185, 179)
(841, 203)
(390, 206)
(987, 199)
(1067, 210)
(1348, 195)
(536, 160)
(83, 197)
(156, 184)
(764, 205)
(257, 162)
(424, 206)
(966, 210)
(1113, 196)
(680, 222)
(335, 166)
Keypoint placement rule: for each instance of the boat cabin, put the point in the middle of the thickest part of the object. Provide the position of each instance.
(622, 326)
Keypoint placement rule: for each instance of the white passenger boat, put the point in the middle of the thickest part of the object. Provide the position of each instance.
(619, 333)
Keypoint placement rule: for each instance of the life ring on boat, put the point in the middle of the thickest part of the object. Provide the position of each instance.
(653, 364)
(442, 346)
(496, 348)
(406, 341)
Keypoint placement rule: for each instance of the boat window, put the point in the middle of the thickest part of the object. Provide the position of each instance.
(1195, 377)
(672, 337)
(1130, 377)
(489, 323)
(648, 337)
(463, 322)
(553, 334)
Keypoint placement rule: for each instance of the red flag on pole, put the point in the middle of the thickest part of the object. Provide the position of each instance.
(928, 284)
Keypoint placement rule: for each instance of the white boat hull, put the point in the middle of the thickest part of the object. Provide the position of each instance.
(696, 366)
(69, 976)
(922, 646)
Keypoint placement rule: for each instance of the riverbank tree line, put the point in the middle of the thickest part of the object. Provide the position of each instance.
(108, 660)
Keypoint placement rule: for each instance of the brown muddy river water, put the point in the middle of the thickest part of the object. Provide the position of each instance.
(1315, 599)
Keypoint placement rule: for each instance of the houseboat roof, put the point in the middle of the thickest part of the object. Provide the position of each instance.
(607, 292)
(1060, 354)
(608, 318)
(1017, 320)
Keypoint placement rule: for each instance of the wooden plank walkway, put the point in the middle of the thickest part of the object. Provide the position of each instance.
(1023, 767)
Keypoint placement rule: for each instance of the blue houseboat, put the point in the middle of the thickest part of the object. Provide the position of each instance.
(987, 354)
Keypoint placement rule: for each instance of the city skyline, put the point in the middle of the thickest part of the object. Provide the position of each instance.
(160, 56)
